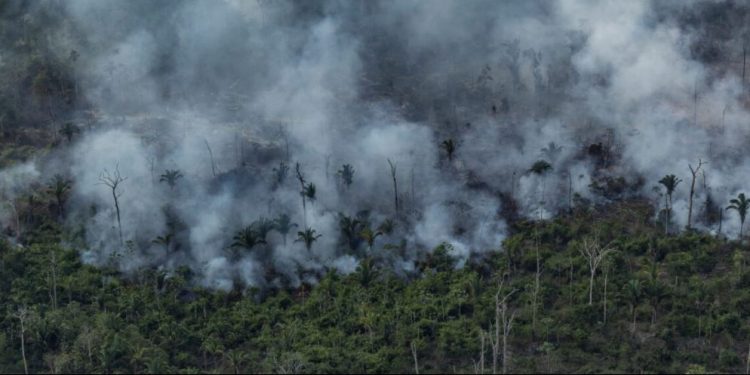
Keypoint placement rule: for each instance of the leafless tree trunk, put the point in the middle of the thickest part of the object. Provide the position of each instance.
(152, 162)
(570, 280)
(694, 172)
(328, 163)
(570, 192)
(535, 292)
(747, 361)
(695, 104)
(594, 254)
(395, 184)
(507, 326)
(481, 354)
(211, 157)
(414, 354)
(744, 59)
(413, 191)
(53, 278)
(504, 320)
(113, 181)
(23, 315)
(301, 179)
(606, 274)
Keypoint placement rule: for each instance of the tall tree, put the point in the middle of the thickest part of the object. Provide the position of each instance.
(670, 183)
(694, 173)
(301, 179)
(23, 317)
(350, 228)
(263, 226)
(68, 130)
(346, 173)
(59, 186)
(369, 236)
(164, 241)
(741, 205)
(211, 157)
(395, 184)
(595, 255)
(633, 291)
(308, 237)
(170, 176)
(113, 182)
(540, 168)
(309, 192)
(503, 321)
(449, 146)
(280, 173)
(247, 238)
(551, 152)
(283, 224)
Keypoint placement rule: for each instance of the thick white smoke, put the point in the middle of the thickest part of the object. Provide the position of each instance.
(228, 92)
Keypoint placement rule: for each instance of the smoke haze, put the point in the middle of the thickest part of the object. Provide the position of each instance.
(228, 91)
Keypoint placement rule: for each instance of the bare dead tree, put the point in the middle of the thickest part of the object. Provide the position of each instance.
(503, 321)
(23, 316)
(606, 276)
(53, 265)
(695, 104)
(301, 180)
(211, 157)
(395, 183)
(535, 294)
(414, 354)
(694, 172)
(744, 59)
(482, 340)
(594, 254)
(113, 181)
(152, 161)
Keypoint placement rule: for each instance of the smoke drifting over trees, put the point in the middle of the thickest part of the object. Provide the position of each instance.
(447, 104)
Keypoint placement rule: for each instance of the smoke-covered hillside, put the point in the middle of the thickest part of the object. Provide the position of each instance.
(208, 134)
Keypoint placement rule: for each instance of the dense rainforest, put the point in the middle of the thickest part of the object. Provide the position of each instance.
(676, 303)
(374, 187)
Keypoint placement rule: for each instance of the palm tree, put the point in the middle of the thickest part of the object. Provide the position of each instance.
(540, 167)
(283, 224)
(262, 226)
(740, 204)
(236, 359)
(350, 229)
(170, 176)
(450, 148)
(552, 151)
(309, 192)
(59, 186)
(164, 241)
(280, 173)
(308, 237)
(69, 130)
(387, 226)
(670, 182)
(633, 291)
(366, 271)
(346, 173)
(247, 239)
(369, 236)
